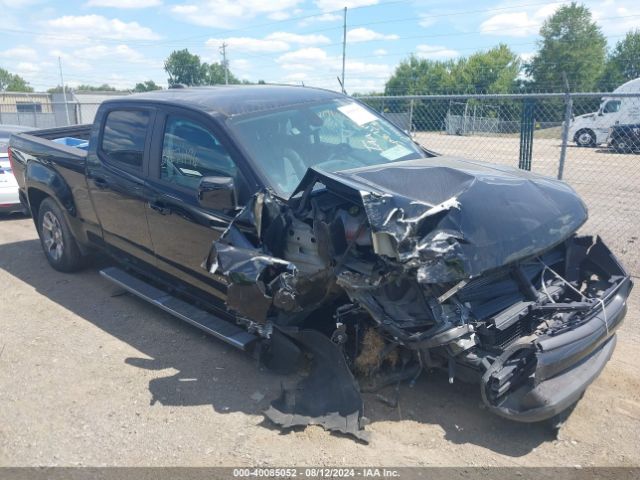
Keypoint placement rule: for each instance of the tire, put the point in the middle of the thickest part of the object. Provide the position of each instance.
(585, 138)
(620, 146)
(57, 242)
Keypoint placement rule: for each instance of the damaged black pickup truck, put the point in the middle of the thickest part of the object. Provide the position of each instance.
(301, 225)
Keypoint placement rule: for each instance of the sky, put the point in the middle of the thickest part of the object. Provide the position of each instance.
(123, 42)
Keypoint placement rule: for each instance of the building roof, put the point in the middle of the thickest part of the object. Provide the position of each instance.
(231, 100)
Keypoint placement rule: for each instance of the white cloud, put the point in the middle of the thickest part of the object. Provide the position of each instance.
(331, 5)
(124, 3)
(303, 58)
(20, 53)
(436, 52)
(613, 16)
(366, 35)
(26, 68)
(380, 52)
(616, 17)
(325, 17)
(303, 65)
(518, 24)
(71, 61)
(311, 39)
(97, 26)
(17, 3)
(279, 16)
(296, 77)
(272, 43)
(226, 13)
(118, 53)
(426, 21)
(248, 44)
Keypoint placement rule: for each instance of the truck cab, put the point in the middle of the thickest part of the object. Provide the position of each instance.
(592, 129)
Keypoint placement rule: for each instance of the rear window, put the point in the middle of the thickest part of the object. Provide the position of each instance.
(124, 136)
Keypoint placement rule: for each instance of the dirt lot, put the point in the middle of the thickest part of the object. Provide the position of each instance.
(608, 182)
(89, 378)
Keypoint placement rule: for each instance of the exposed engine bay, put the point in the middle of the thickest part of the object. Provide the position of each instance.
(467, 270)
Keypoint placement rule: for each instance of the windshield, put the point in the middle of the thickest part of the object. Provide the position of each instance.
(331, 136)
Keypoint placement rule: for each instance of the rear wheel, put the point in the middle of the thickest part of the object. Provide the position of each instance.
(585, 138)
(59, 246)
(620, 145)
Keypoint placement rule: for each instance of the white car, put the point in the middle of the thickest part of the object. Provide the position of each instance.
(9, 199)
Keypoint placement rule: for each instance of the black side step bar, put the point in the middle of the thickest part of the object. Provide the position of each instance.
(205, 321)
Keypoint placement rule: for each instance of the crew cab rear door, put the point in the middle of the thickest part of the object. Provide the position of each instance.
(116, 174)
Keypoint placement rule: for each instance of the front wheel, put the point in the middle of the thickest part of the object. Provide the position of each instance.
(59, 246)
(585, 138)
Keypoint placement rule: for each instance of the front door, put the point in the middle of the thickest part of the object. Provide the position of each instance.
(182, 231)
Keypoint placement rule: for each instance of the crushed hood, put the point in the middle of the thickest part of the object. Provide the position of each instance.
(452, 219)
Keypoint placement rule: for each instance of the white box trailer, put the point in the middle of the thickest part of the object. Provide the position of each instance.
(592, 129)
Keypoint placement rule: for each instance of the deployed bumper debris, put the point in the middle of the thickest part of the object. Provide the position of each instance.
(457, 265)
(329, 396)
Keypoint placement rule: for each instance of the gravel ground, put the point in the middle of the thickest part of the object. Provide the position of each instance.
(90, 378)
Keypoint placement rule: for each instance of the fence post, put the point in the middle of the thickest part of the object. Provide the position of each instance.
(411, 116)
(527, 126)
(568, 110)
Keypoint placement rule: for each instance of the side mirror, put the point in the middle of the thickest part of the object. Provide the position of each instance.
(217, 193)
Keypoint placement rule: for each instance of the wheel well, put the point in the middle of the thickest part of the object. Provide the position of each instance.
(36, 197)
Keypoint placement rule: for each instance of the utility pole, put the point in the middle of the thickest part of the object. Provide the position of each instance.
(64, 92)
(344, 46)
(223, 50)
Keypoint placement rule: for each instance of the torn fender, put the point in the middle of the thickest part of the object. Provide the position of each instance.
(247, 255)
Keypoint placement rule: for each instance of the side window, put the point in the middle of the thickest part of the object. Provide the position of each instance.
(190, 152)
(124, 136)
(612, 106)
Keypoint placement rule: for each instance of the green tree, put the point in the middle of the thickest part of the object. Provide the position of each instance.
(573, 44)
(184, 68)
(623, 64)
(416, 76)
(213, 74)
(58, 89)
(493, 71)
(147, 86)
(10, 82)
(105, 87)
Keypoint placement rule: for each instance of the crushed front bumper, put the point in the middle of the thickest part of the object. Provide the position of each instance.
(535, 381)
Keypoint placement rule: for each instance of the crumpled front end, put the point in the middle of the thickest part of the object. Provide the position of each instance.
(427, 264)
(536, 379)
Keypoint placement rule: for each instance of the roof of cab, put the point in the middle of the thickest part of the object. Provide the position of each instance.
(236, 99)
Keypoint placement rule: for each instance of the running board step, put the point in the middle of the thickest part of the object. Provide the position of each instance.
(205, 321)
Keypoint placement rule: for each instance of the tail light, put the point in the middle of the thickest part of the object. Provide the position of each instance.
(10, 154)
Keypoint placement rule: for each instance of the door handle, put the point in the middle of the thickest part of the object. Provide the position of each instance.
(160, 207)
(100, 182)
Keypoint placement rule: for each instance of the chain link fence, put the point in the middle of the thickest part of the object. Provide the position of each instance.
(597, 151)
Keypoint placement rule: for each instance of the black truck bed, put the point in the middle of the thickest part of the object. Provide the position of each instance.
(39, 143)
